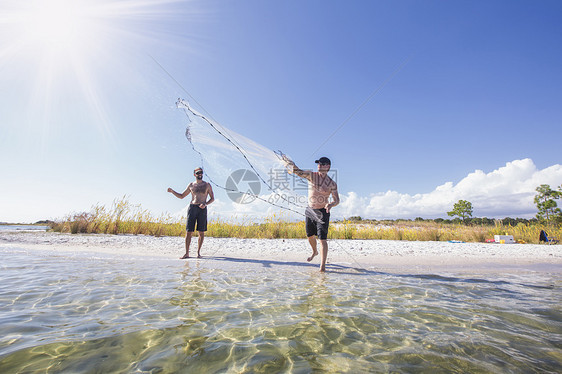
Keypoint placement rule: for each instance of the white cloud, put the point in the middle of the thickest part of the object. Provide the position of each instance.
(507, 191)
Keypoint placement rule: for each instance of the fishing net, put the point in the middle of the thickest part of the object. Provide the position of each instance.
(247, 177)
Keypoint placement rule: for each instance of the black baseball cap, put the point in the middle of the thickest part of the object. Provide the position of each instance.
(323, 160)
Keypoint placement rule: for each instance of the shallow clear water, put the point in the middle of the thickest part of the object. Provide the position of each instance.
(81, 313)
(23, 227)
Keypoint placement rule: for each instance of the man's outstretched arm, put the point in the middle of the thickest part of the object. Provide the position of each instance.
(294, 169)
(180, 195)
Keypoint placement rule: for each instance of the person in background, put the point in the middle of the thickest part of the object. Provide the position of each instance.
(197, 212)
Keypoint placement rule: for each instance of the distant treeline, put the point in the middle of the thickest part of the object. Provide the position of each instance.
(42, 223)
(484, 221)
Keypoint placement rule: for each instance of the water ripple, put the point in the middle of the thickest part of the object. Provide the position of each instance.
(108, 314)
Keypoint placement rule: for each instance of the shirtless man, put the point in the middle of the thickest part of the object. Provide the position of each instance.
(197, 211)
(320, 187)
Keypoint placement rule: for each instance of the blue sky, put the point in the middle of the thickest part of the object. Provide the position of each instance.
(473, 112)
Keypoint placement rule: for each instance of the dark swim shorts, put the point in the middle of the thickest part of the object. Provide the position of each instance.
(317, 221)
(196, 214)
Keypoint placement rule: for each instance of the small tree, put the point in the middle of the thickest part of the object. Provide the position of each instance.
(546, 203)
(462, 209)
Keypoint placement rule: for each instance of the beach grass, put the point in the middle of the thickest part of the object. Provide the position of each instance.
(126, 218)
(122, 218)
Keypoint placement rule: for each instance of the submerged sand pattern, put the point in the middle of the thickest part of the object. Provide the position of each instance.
(86, 311)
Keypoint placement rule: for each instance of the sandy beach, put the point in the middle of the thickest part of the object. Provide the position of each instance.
(367, 254)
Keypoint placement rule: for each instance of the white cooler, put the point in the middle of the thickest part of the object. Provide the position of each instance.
(504, 239)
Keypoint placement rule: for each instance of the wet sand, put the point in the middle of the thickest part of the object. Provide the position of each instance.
(367, 254)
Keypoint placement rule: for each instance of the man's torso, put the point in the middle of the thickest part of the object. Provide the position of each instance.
(199, 192)
(319, 190)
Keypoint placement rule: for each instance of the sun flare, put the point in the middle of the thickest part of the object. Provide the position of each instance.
(55, 28)
(60, 48)
(59, 23)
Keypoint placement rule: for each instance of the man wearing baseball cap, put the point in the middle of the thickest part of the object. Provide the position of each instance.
(197, 212)
(320, 188)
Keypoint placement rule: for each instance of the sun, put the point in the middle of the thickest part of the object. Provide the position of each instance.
(58, 23)
(54, 27)
(60, 48)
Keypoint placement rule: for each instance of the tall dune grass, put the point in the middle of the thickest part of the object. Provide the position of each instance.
(429, 231)
(122, 218)
(126, 218)
(274, 227)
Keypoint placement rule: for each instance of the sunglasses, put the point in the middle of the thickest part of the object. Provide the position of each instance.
(322, 164)
(199, 173)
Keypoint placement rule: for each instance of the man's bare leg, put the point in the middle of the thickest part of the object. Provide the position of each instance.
(312, 241)
(200, 243)
(187, 243)
(323, 254)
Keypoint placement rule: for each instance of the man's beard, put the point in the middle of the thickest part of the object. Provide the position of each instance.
(198, 177)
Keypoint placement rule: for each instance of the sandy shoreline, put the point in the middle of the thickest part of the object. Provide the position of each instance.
(368, 254)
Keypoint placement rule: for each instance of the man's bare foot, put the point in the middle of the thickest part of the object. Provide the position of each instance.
(311, 257)
(199, 256)
(322, 270)
(184, 256)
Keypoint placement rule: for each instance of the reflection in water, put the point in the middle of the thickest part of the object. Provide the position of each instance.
(92, 314)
